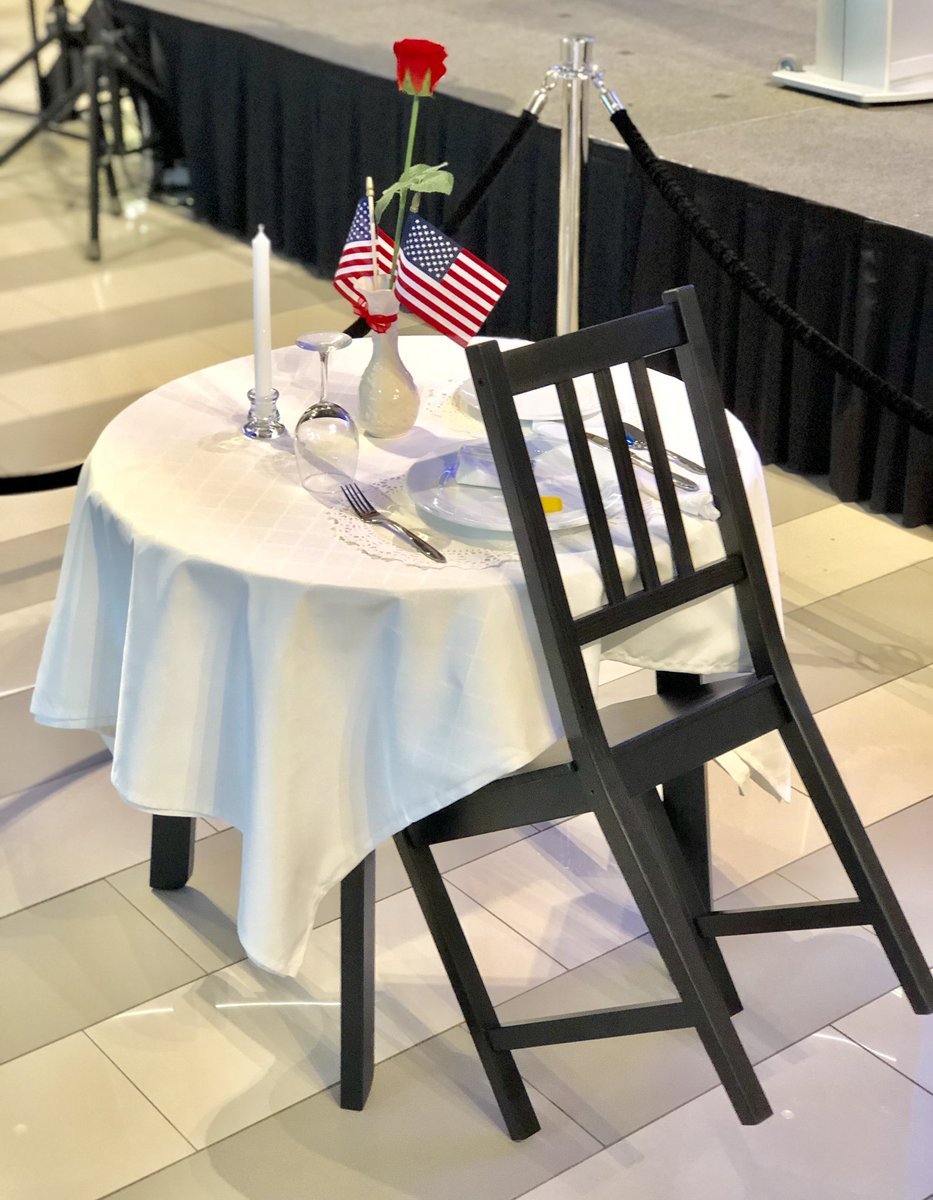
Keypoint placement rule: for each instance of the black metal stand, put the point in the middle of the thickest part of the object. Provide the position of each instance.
(94, 61)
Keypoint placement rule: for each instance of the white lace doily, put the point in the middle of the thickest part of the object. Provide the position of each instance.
(441, 402)
(391, 497)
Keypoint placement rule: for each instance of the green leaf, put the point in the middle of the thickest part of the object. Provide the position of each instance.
(420, 177)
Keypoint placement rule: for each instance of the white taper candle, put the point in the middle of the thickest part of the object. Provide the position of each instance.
(262, 316)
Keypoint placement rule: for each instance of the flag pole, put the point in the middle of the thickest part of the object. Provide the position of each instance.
(370, 198)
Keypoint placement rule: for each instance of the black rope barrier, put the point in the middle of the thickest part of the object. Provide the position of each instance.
(476, 193)
(16, 485)
(755, 287)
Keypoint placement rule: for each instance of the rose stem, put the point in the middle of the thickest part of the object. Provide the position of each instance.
(403, 194)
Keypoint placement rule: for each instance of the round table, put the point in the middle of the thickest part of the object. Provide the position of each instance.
(250, 664)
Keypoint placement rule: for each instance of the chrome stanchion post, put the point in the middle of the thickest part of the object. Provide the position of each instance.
(574, 71)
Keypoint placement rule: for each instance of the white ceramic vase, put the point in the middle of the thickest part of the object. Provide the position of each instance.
(388, 395)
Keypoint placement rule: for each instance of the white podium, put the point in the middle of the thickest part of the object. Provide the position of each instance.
(868, 52)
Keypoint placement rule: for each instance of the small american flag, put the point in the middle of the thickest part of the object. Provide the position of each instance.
(357, 257)
(445, 285)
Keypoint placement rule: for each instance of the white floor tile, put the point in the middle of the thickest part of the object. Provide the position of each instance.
(892, 1031)
(846, 1127)
(561, 889)
(790, 984)
(430, 1131)
(226, 1051)
(753, 834)
(903, 844)
(842, 546)
(882, 742)
(77, 959)
(72, 1126)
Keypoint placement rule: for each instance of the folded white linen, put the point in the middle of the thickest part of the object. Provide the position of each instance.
(476, 466)
(695, 504)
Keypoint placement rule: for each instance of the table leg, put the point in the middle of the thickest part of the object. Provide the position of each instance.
(357, 983)
(685, 797)
(172, 855)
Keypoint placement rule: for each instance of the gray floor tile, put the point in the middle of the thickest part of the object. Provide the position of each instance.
(791, 496)
(33, 446)
(845, 1127)
(863, 637)
(791, 985)
(882, 630)
(13, 354)
(904, 843)
(77, 959)
(95, 332)
(200, 918)
(48, 266)
(430, 1130)
(29, 568)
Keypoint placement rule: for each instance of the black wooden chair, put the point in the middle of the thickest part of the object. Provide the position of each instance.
(619, 757)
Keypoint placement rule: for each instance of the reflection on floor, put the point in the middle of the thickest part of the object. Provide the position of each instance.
(141, 1056)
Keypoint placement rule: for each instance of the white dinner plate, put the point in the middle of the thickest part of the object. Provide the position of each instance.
(432, 485)
(540, 405)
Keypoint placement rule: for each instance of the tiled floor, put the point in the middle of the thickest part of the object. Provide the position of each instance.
(142, 1057)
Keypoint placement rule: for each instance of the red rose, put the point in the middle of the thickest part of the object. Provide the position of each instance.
(420, 66)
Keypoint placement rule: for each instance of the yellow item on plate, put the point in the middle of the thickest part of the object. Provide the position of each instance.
(551, 504)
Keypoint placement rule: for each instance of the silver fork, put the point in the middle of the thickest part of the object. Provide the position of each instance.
(365, 511)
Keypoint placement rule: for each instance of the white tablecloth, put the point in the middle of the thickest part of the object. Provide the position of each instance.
(251, 666)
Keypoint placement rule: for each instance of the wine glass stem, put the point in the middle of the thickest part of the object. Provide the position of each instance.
(325, 354)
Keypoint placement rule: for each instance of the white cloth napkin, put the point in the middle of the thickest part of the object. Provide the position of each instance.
(476, 466)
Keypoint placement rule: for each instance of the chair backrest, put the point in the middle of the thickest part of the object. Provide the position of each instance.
(499, 377)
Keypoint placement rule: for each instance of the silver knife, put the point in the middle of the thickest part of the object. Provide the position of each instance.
(640, 442)
(679, 481)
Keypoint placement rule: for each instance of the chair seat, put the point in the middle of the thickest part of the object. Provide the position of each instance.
(616, 717)
(626, 720)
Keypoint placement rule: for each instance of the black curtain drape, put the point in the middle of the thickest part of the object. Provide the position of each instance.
(275, 136)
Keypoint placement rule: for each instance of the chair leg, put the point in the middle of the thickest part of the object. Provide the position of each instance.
(851, 842)
(357, 983)
(472, 996)
(648, 870)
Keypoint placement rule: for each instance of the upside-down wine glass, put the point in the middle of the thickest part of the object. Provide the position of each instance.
(326, 439)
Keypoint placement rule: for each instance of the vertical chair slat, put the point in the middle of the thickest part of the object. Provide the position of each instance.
(592, 494)
(625, 473)
(680, 550)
